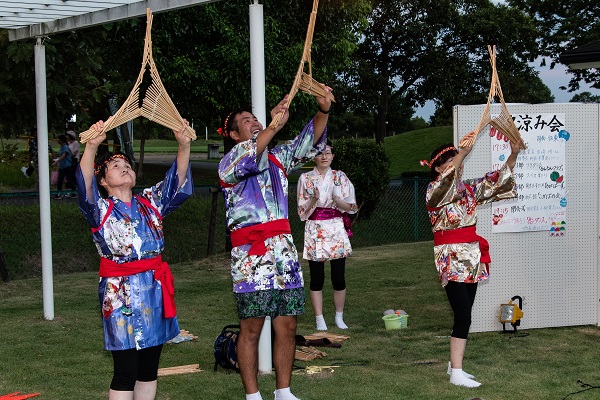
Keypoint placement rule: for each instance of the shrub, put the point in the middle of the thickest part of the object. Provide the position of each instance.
(366, 164)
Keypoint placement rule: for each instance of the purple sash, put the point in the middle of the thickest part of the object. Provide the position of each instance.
(321, 213)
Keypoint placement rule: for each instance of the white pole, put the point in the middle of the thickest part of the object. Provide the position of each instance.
(44, 177)
(257, 77)
(257, 62)
(207, 133)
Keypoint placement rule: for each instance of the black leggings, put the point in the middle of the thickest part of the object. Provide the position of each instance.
(461, 297)
(317, 274)
(134, 365)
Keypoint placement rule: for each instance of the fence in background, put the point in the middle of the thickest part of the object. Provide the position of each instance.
(193, 232)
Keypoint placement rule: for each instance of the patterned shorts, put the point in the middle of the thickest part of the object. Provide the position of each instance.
(271, 302)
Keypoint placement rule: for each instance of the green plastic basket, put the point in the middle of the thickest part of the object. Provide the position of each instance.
(393, 321)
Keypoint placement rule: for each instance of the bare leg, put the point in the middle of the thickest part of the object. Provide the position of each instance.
(120, 395)
(284, 349)
(247, 352)
(316, 298)
(339, 299)
(457, 352)
(144, 390)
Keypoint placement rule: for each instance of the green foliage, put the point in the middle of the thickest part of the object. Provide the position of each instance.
(417, 50)
(11, 154)
(564, 25)
(11, 161)
(366, 165)
(202, 54)
(585, 97)
(417, 123)
(72, 62)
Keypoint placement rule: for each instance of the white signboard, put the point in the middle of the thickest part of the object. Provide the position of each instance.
(540, 175)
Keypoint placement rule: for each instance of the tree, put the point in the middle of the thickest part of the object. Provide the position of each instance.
(70, 67)
(205, 54)
(585, 97)
(418, 50)
(565, 25)
(366, 164)
(202, 54)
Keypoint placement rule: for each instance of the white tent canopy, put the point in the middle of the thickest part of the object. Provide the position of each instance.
(31, 18)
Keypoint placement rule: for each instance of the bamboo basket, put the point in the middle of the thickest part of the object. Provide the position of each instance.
(503, 122)
(304, 81)
(156, 106)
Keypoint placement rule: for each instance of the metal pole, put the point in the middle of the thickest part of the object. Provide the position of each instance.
(257, 77)
(416, 208)
(44, 177)
(257, 62)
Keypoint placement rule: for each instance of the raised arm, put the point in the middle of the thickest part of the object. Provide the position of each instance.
(321, 117)
(462, 152)
(514, 152)
(265, 136)
(183, 153)
(89, 154)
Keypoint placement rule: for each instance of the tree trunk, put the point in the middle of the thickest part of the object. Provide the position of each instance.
(380, 130)
(210, 247)
(140, 165)
(3, 269)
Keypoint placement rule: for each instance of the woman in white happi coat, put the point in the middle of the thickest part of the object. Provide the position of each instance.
(325, 198)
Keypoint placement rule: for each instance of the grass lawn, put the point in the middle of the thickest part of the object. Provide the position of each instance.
(63, 358)
(407, 149)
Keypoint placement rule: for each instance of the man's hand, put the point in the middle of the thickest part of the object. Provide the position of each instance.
(282, 106)
(325, 102)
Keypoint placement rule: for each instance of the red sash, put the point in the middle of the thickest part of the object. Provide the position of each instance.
(257, 234)
(162, 273)
(464, 235)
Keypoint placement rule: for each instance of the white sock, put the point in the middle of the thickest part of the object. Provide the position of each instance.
(253, 396)
(321, 325)
(464, 373)
(457, 377)
(339, 320)
(284, 394)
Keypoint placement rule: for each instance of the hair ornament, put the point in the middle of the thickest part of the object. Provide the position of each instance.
(100, 166)
(434, 159)
(223, 131)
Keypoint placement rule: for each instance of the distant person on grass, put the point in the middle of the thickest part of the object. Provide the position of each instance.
(65, 165)
(267, 277)
(325, 197)
(32, 145)
(136, 286)
(461, 256)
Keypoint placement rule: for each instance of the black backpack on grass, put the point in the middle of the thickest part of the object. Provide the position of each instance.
(225, 348)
